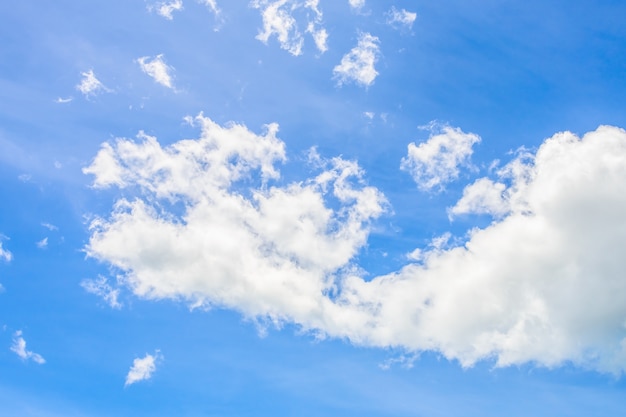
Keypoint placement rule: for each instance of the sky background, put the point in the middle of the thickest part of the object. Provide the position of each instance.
(408, 242)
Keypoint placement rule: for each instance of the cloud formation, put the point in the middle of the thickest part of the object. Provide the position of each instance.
(43, 243)
(436, 162)
(157, 69)
(4, 253)
(143, 368)
(166, 9)
(543, 283)
(101, 288)
(279, 20)
(356, 4)
(19, 347)
(401, 18)
(358, 64)
(211, 4)
(90, 85)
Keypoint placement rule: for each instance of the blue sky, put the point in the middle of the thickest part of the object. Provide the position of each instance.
(312, 208)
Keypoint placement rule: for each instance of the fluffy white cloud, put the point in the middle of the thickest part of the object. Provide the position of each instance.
(4, 253)
(358, 64)
(143, 368)
(19, 347)
(43, 243)
(90, 85)
(544, 283)
(271, 251)
(436, 162)
(482, 197)
(101, 288)
(166, 9)
(279, 20)
(157, 69)
(400, 18)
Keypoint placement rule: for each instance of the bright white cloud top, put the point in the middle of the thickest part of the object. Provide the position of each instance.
(90, 85)
(19, 347)
(358, 64)
(513, 291)
(143, 368)
(157, 69)
(437, 161)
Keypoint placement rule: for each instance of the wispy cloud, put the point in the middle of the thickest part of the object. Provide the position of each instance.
(103, 289)
(90, 85)
(212, 5)
(166, 9)
(50, 226)
(278, 20)
(43, 243)
(143, 368)
(19, 347)
(358, 64)
(436, 162)
(400, 18)
(4, 253)
(157, 69)
(61, 100)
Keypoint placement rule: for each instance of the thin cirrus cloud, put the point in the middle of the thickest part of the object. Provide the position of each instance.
(437, 161)
(358, 64)
(279, 21)
(19, 348)
(157, 68)
(143, 368)
(541, 284)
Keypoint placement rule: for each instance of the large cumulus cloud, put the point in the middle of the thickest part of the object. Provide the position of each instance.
(544, 283)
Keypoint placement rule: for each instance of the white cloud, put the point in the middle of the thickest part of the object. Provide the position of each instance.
(43, 243)
(90, 85)
(356, 4)
(211, 4)
(5, 254)
(166, 9)
(101, 288)
(400, 18)
(50, 227)
(278, 20)
(157, 69)
(543, 284)
(436, 162)
(19, 347)
(358, 64)
(61, 100)
(143, 368)
(257, 244)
